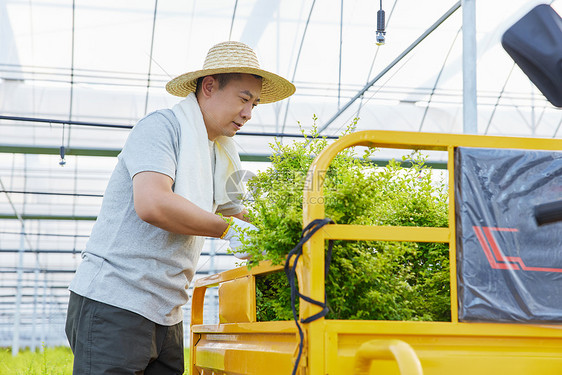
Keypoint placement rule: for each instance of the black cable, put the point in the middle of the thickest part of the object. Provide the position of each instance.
(101, 125)
(32, 270)
(51, 193)
(36, 252)
(55, 121)
(290, 271)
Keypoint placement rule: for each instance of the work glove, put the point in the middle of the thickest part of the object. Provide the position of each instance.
(233, 236)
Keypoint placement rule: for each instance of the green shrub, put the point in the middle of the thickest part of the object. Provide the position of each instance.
(367, 280)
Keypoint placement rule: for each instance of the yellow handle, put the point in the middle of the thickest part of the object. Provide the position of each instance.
(408, 361)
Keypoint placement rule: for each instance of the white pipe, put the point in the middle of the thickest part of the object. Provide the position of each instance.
(470, 112)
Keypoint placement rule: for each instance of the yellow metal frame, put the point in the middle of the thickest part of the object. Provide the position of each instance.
(333, 346)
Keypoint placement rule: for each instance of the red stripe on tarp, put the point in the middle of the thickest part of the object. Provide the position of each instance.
(494, 255)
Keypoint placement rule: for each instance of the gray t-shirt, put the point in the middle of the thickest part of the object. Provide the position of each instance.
(127, 262)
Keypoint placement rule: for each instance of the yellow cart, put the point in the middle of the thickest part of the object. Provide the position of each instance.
(241, 345)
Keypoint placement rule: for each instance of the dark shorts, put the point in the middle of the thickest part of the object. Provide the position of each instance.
(109, 340)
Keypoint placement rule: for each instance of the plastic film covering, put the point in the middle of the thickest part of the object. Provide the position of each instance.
(509, 269)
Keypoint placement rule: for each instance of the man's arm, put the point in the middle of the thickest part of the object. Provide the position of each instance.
(157, 204)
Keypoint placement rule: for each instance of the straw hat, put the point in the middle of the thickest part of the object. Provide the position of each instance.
(233, 57)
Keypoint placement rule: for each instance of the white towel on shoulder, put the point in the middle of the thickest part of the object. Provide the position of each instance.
(194, 176)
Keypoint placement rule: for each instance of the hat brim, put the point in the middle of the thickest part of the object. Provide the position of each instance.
(274, 87)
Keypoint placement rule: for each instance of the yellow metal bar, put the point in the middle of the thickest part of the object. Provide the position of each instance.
(441, 141)
(236, 273)
(401, 352)
(197, 300)
(388, 327)
(442, 329)
(453, 241)
(285, 326)
(312, 285)
(385, 233)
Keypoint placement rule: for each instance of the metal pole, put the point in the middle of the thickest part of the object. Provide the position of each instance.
(19, 289)
(44, 314)
(212, 271)
(17, 314)
(35, 296)
(35, 303)
(391, 65)
(470, 112)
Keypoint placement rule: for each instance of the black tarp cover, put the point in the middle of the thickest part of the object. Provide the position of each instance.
(509, 269)
(535, 44)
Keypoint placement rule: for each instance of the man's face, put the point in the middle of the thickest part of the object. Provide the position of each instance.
(227, 109)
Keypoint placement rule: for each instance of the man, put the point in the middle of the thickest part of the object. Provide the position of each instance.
(124, 313)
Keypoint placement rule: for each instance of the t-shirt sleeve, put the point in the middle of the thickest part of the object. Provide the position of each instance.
(230, 208)
(153, 146)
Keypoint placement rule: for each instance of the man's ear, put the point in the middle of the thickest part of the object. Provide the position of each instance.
(208, 86)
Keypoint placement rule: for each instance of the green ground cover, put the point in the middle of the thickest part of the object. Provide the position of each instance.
(52, 361)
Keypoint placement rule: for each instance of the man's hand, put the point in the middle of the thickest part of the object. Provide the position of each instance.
(233, 236)
(242, 215)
